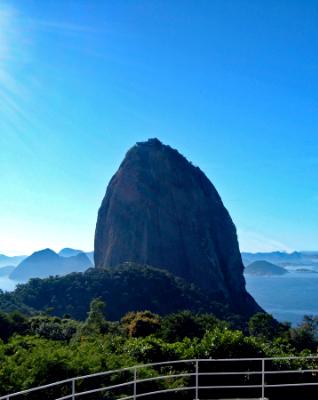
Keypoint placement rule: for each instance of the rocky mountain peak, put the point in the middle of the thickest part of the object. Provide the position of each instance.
(160, 210)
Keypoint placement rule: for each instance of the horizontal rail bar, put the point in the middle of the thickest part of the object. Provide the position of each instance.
(166, 391)
(157, 378)
(292, 384)
(231, 387)
(257, 358)
(295, 371)
(230, 373)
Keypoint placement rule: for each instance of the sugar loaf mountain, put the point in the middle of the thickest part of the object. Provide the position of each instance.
(164, 241)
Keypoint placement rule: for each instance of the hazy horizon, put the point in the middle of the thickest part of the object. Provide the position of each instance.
(57, 250)
(233, 88)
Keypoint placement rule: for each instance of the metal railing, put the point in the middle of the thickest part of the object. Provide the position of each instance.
(197, 377)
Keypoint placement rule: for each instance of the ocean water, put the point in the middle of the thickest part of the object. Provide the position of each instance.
(288, 297)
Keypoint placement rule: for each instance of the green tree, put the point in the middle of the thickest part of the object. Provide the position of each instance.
(305, 336)
(5, 326)
(53, 327)
(263, 325)
(95, 322)
(11, 323)
(227, 343)
(183, 324)
(141, 323)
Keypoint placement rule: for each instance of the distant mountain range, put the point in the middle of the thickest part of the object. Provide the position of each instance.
(7, 260)
(44, 263)
(69, 252)
(301, 258)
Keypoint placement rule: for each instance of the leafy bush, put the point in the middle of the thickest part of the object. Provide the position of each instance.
(263, 325)
(176, 326)
(53, 327)
(141, 323)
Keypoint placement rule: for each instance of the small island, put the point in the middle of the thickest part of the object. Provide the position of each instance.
(264, 268)
(306, 270)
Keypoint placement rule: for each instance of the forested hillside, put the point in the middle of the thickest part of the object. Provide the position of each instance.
(125, 288)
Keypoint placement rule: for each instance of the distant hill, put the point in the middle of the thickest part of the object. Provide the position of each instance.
(310, 253)
(46, 262)
(5, 271)
(69, 252)
(264, 268)
(7, 260)
(282, 258)
(124, 288)
(306, 270)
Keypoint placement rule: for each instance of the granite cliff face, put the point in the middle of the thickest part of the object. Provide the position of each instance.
(162, 211)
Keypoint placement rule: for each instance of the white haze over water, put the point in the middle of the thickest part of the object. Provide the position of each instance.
(7, 284)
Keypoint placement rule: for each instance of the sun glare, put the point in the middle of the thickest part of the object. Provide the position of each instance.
(13, 52)
(6, 35)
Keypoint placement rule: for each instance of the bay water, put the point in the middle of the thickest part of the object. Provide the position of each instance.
(287, 297)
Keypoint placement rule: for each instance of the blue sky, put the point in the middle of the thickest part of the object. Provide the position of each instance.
(233, 85)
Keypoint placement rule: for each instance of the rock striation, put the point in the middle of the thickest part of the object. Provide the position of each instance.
(162, 211)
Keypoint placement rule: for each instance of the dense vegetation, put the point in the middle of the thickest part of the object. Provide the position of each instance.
(38, 349)
(126, 288)
(50, 329)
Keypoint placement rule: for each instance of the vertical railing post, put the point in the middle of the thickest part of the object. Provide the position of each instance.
(73, 389)
(135, 383)
(196, 379)
(263, 379)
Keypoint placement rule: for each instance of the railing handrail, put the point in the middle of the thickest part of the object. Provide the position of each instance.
(173, 362)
